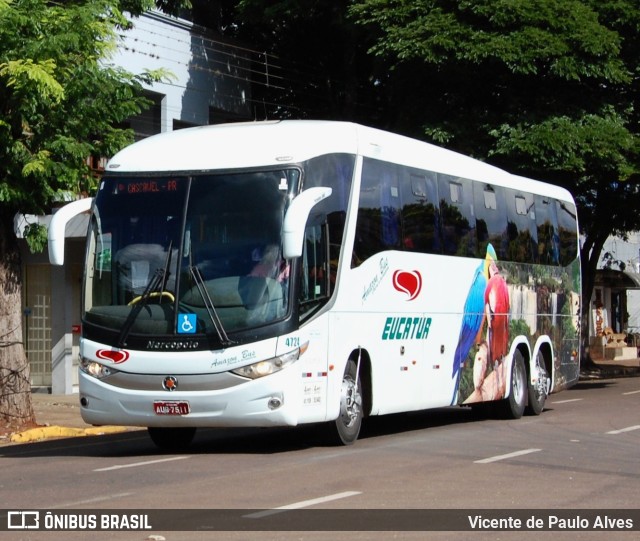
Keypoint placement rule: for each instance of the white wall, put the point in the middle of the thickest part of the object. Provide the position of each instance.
(206, 73)
(626, 251)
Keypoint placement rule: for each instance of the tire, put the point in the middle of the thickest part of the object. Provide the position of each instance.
(538, 390)
(171, 439)
(514, 404)
(349, 421)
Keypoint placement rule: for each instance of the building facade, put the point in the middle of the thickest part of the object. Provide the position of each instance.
(614, 315)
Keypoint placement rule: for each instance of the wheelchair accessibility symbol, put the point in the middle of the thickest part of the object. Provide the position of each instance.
(186, 324)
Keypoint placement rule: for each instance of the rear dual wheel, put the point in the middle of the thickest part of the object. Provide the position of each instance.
(514, 404)
(539, 389)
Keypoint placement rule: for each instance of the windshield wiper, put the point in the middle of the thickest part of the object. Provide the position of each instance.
(211, 309)
(157, 284)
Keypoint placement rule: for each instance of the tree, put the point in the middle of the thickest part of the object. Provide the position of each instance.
(309, 59)
(547, 88)
(60, 103)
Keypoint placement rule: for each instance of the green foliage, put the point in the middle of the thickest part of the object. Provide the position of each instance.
(137, 7)
(519, 327)
(584, 146)
(474, 66)
(313, 61)
(22, 74)
(562, 38)
(36, 236)
(60, 100)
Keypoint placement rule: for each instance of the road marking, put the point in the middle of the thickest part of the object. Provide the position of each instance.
(567, 401)
(631, 392)
(504, 457)
(91, 500)
(628, 429)
(300, 505)
(136, 464)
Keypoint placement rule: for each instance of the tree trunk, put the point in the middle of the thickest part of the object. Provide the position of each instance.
(16, 408)
(590, 256)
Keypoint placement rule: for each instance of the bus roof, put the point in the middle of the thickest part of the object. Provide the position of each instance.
(268, 143)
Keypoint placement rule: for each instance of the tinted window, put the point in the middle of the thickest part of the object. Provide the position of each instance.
(522, 235)
(325, 228)
(379, 211)
(567, 228)
(420, 214)
(548, 239)
(491, 219)
(456, 213)
(402, 208)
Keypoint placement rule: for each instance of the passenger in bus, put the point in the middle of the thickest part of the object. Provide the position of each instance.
(263, 290)
(271, 265)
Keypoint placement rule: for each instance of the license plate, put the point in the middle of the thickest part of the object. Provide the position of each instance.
(171, 408)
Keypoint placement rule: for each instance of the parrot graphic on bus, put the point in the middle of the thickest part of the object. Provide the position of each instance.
(487, 301)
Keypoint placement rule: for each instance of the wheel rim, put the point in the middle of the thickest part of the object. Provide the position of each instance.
(350, 402)
(542, 383)
(518, 383)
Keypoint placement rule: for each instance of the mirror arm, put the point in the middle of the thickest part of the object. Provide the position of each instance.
(296, 217)
(58, 224)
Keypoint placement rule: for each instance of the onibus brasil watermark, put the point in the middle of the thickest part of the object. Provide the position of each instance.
(621, 520)
(57, 521)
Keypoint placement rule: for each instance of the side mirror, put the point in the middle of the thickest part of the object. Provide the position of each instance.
(58, 224)
(296, 217)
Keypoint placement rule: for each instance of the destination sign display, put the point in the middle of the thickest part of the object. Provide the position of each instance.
(147, 186)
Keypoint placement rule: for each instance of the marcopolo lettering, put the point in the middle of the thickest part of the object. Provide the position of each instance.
(406, 328)
(172, 345)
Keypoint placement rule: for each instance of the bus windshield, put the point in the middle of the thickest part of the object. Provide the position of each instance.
(188, 255)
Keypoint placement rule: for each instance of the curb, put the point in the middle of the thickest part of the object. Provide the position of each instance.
(48, 432)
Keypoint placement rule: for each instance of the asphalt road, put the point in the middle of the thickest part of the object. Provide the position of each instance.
(581, 453)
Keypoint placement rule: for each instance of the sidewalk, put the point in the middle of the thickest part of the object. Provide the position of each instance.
(605, 369)
(58, 416)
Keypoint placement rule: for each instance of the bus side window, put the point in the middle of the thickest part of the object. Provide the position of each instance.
(315, 267)
(457, 216)
(491, 219)
(522, 234)
(567, 227)
(548, 239)
(378, 225)
(420, 217)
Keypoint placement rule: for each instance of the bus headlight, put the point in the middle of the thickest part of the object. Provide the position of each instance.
(97, 370)
(270, 366)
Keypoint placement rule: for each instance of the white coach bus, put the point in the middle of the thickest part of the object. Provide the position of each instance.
(281, 273)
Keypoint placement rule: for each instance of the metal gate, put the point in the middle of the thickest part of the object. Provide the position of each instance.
(37, 323)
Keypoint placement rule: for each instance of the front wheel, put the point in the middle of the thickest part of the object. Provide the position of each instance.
(349, 421)
(171, 439)
(514, 404)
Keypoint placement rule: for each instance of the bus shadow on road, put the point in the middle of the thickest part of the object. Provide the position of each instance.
(388, 425)
(280, 440)
(592, 384)
(136, 443)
